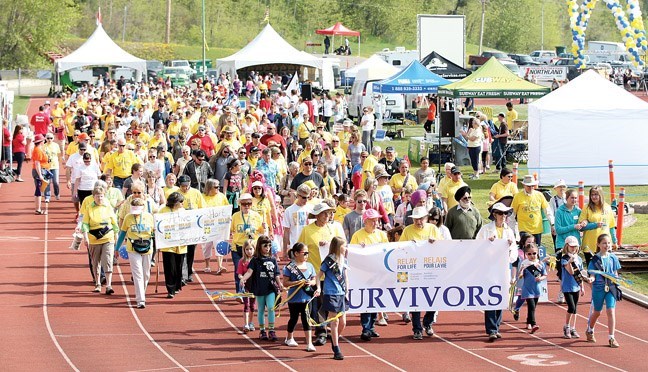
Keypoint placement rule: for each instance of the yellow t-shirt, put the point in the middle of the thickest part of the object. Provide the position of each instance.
(252, 224)
(121, 163)
(52, 150)
(397, 180)
(168, 191)
(590, 236)
(510, 116)
(262, 207)
(138, 228)
(218, 200)
(154, 142)
(528, 210)
(368, 167)
(182, 249)
(429, 231)
(362, 236)
(340, 213)
(99, 216)
(312, 235)
(449, 190)
(501, 190)
(193, 199)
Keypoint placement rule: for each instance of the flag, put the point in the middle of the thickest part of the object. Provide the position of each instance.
(294, 83)
(99, 20)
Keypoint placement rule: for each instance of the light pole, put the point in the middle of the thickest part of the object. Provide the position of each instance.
(542, 26)
(481, 31)
(204, 67)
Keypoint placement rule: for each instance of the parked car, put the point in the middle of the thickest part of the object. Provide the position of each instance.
(177, 75)
(153, 68)
(182, 64)
(572, 71)
(543, 56)
(476, 61)
(523, 60)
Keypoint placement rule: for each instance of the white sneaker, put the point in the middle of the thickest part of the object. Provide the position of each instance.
(310, 348)
(246, 328)
(291, 342)
(381, 322)
(561, 298)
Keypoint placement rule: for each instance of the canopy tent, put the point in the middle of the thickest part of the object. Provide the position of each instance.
(267, 48)
(493, 80)
(414, 78)
(339, 29)
(444, 67)
(576, 129)
(372, 62)
(100, 50)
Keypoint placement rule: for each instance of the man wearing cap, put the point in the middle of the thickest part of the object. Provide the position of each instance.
(390, 161)
(529, 205)
(272, 135)
(501, 138)
(421, 230)
(206, 143)
(268, 167)
(463, 220)
(296, 217)
(498, 229)
(119, 164)
(367, 236)
(450, 188)
(40, 122)
(193, 199)
(318, 235)
(198, 170)
(246, 224)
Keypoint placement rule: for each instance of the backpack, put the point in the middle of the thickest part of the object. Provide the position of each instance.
(491, 127)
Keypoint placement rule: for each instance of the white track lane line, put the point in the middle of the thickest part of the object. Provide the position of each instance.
(473, 354)
(604, 325)
(372, 354)
(141, 326)
(239, 331)
(45, 286)
(564, 348)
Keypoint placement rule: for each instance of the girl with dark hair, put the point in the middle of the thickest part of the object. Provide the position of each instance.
(299, 275)
(172, 257)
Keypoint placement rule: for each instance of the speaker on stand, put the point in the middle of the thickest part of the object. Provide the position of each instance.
(307, 92)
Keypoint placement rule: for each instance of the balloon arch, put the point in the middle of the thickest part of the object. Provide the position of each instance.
(628, 21)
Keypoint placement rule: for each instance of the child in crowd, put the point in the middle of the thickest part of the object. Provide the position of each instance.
(525, 239)
(403, 207)
(334, 269)
(532, 273)
(571, 283)
(342, 208)
(266, 285)
(299, 272)
(248, 302)
(603, 289)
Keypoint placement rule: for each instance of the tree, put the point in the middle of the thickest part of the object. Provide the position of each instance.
(31, 28)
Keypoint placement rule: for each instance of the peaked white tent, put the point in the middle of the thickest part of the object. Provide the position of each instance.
(575, 130)
(372, 62)
(267, 48)
(100, 50)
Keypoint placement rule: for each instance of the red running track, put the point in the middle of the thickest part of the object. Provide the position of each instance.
(52, 321)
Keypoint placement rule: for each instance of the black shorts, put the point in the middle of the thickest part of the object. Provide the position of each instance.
(334, 303)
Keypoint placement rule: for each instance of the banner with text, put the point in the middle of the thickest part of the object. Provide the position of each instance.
(448, 275)
(193, 226)
(544, 73)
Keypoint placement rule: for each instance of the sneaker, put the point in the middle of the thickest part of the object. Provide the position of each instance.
(374, 333)
(58, 197)
(310, 348)
(190, 279)
(47, 200)
(246, 328)
(320, 340)
(429, 331)
(590, 336)
(207, 269)
(337, 354)
(613, 343)
(574, 334)
(263, 336)
(141, 305)
(492, 337)
(418, 335)
(499, 335)
(170, 295)
(385, 316)
(272, 336)
(97, 289)
(381, 322)
(365, 336)
(109, 291)
(516, 315)
(290, 342)
(528, 327)
(561, 298)
(251, 326)
(535, 329)
(152, 263)
(407, 318)
(566, 332)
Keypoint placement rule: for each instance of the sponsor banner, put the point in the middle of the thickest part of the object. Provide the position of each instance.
(448, 275)
(193, 226)
(544, 73)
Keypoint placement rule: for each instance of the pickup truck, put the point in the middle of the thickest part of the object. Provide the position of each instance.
(485, 56)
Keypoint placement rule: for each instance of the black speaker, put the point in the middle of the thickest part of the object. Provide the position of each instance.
(307, 92)
(447, 123)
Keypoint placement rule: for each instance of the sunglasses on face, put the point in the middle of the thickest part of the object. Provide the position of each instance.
(466, 198)
(137, 192)
(246, 204)
(532, 253)
(305, 253)
(308, 163)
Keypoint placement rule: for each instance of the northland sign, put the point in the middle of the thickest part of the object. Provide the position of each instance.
(445, 275)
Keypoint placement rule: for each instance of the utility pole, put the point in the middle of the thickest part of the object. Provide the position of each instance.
(167, 35)
(481, 31)
(124, 26)
(542, 26)
(204, 41)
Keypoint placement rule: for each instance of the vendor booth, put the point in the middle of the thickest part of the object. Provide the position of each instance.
(444, 67)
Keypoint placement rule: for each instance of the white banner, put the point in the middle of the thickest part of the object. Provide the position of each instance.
(544, 73)
(449, 275)
(193, 226)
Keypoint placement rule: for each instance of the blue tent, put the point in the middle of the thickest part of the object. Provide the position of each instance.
(414, 78)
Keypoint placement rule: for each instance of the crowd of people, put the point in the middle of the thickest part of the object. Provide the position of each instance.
(299, 176)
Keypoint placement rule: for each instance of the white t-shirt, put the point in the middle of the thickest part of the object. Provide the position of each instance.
(88, 175)
(296, 218)
(367, 121)
(328, 108)
(158, 168)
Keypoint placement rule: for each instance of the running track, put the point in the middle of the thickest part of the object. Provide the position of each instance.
(51, 320)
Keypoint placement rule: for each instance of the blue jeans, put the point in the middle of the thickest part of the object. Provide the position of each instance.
(367, 320)
(54, 182)
(118, 182)
(498, 155)
(492, 321)
(428, 318)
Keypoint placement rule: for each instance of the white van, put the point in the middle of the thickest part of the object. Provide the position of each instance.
(363, 95)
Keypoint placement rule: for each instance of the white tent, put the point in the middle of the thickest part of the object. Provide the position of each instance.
(372, 62)
(100, 50)
(575, 130)
(267, 48)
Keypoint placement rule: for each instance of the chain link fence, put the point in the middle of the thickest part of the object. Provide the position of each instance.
(27, 82)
